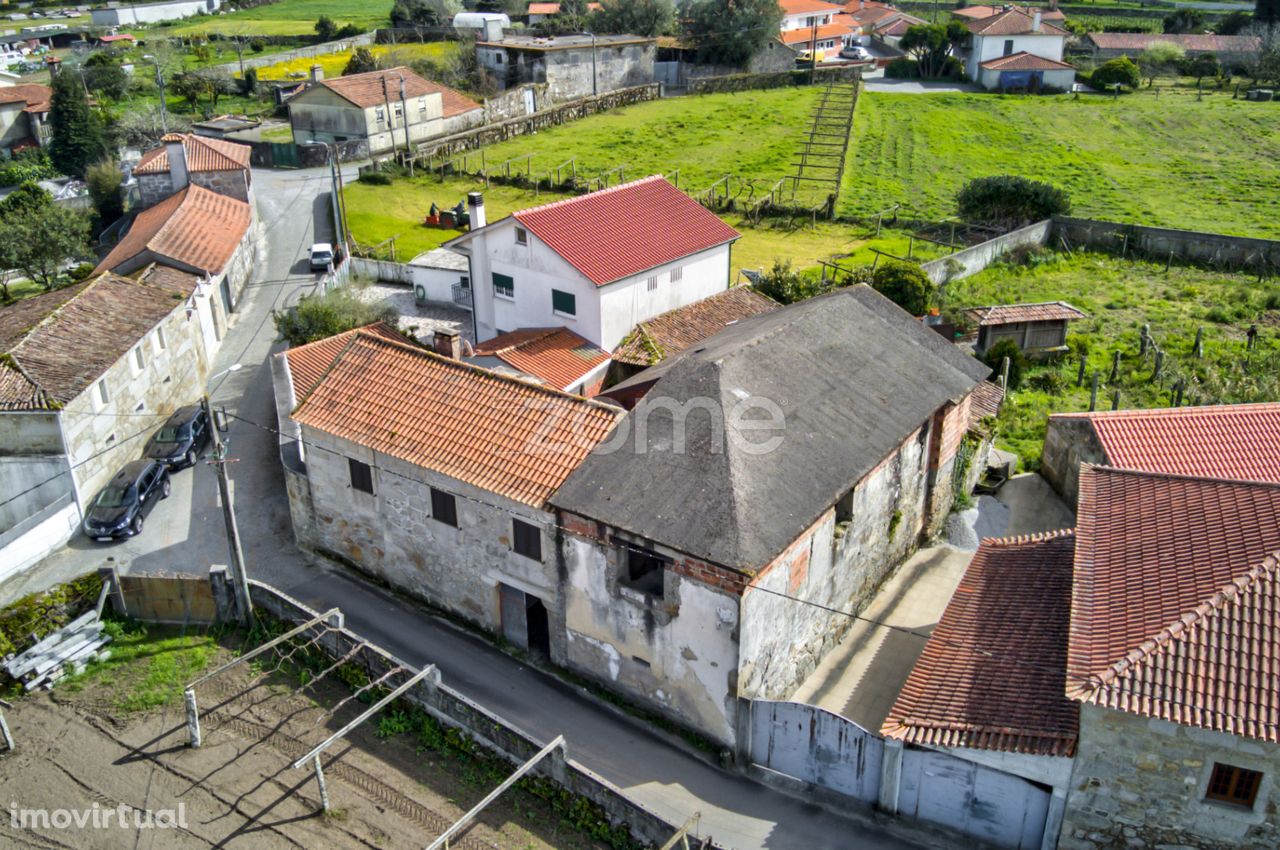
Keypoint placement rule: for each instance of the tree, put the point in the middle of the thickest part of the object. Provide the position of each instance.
(931, 45)
(1119, 71)
(326, 29)
(141, 126)
(104, 75)
(1009, 201)
(320, 316)
(730, 32)
(1185, 20)
(39, 240)
(27, 198)
(106, 188)
(640, 17)
(785, 285)
(210, 83)
(1203, 65)
(1267, 13)
(905, 284)
(1160, 58)
(1266, 66)
(361, 62)
(78, 137)
(1233, 24)
(995, 355)
(427, 13)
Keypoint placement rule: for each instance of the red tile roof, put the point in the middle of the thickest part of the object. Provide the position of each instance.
(308, 363)
(985, 401)
(805, 35)
(1005, 314)
(58, 343)
(1200, 42)
(496, 433)
(869, 13)
(627, 229)
(365, 90)
(203, 154)
(36, 97)
(554, 8)
(1176, 603)
(979, 12)
(672, 332)
(801, 7)
(195, 228)
(1024, 61)
(556, 355)
(1012, 22)
(992, 675)
(1240, 441)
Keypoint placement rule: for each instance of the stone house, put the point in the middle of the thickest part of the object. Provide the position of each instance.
(1010, 33)
(24, 117)
(433, 475)
(1231, 50)
(597, 264)
(198, 232)
(1040, 330)
(571, 66)
(214, 164)
(88, 372)
(1225, 441)
(778, 470)
(389, 109)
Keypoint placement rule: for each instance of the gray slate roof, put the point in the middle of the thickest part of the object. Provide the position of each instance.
(853, 375)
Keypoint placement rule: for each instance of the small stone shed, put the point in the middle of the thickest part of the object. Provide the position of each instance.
(1040, 330)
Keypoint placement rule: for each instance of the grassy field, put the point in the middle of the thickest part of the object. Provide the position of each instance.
(287, 17)
(333, 63)
(1172, 161)
(1121, 296)
(148, 665)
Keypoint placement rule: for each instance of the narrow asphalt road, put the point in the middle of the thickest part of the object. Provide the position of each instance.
(185, 535)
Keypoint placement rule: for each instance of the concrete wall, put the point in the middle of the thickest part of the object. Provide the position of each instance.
(974, 259)
(1140, 782)
(1069, 442)
(14, 126)
(29, 483)
(1059, 79)
(37, 536)
(1213, 249)
(150, 13)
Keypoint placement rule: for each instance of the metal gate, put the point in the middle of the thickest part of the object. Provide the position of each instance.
(284, 155)
(816, 746)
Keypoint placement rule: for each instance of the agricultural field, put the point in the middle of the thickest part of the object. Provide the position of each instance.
(1172, 161)
(286, 17)
(1120, 297)
(333, 63)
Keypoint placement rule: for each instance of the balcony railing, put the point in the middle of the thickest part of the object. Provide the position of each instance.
(462, 295)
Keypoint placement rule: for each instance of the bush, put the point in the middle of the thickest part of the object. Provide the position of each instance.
(1010, 201)
(375, 178)
(902, 68)
(106, 188)
(257, 45)
(320, 316)
(995, 355)
(785, 285)
(30, 165)
(905, 284)
(80, 272)
(1120, 71)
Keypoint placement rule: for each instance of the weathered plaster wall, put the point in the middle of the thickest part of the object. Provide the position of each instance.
(1140, 782)
(838, 566)
(154, 188)
(1069, 442)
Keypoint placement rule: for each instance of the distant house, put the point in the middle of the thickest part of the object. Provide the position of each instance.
(771, 475)
(1038, 329)
(806, 14)
(597, 264)
(380, 107)
(124, 15)
(1016, 50)
(1240, 441)
(24, 117)
(828, 39)
(214, 164)
(86, 372)
(556, 357)
(1229, 49)
(881, 21)
(539, 12)
(1050, 14)
(572, 66)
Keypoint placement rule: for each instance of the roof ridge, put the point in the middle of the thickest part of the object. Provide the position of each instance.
(1178, 476)
(1185, 410)
(578, 198)
(1023, 539)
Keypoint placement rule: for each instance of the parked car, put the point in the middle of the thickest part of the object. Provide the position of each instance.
(181, 438)
(321, 256)
(856, 52)
(118, 510)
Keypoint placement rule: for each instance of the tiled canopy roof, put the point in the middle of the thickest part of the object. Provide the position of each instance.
(195, 228)
(802, 7)
(309, 363)
(986, 401)
(1176, 604)
(1012, 22)
(993, 671)
(650, 341)
(496, 433)
(36, 97)
(365, 90)
(1005, 314)
(1024, 61)
(58, 343)
(556, 355)
(1240, 441)
(805, 35)
(627, 229)
(203, 154)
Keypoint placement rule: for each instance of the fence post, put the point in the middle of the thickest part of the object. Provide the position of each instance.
(224, 599)
(109, 574)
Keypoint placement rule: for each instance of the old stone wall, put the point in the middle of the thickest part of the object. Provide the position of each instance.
(154, 188)
(1216, 250)
(772, 79)
(836, 564)
(572, 74)
(1069, 442)
(233, 184)
(1141, 782)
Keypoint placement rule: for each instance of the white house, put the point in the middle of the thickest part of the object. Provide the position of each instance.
(806, 14)
(597, 264)
(1006, 37)
(123, 15)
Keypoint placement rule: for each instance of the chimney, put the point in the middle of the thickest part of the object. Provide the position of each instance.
(448, 344)
(475, 206)
(177, 160)
(1035, 21)
(317, 73)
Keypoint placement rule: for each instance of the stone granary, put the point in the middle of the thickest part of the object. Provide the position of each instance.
(1040, 330)
(220, 166)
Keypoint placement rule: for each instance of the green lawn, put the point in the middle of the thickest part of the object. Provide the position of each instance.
(1121, 296)
(287, 17)
(1172, 161)
(148, 665)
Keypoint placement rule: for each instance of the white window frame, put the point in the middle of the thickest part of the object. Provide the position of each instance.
(522, 236)
(158, 341)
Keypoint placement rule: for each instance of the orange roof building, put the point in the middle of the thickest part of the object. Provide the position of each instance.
(557, 357)
(184, 158)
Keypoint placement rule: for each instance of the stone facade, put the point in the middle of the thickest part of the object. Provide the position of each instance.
(1141, 782)
(569, 72)
(154, 188)
(1069, 442)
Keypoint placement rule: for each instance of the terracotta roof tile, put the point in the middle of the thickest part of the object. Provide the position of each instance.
(1012, 22)
(826, 31)
(308, 363)
(1004, 314)
(979, 12)
(556, 355)
(497, 433)
(36, 97)
(554, 8)
(1176, 604)
(627, 229)
(58, 343)
(194, 228)
(992, 675)
(1200, 42)
(801, 7)
(203, 154)
(1024, 61)
(650, 341)
(365, 90)
(986, 401)
(1239, 441)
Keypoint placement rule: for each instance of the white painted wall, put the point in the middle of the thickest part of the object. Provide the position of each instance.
(1062, 79)
(993, 47)
(805, 20)
(150, 13)
(40, 540)
(322, 116)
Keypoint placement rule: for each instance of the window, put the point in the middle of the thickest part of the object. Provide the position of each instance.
(1235, 785)
(563, 303)
(103, 396)
(644, 569)
(522, 236)
(844, 507)
(422, 104)
(138, 360)
(397, 111)
(380, 114)
(677, 274)
(526, 539)
(504, 286)
(444, 507)
(1008, 46)
(652, 283)
(361, 476)
(160, 339)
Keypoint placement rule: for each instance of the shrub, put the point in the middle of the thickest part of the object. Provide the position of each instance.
(106, 188)
(905, 284)
(1010, 201)
(995, 355)
(30, 165)
(785, 285)
(257, 45)
(375, 178)
(320, 316)
(1120, 71)
(902, 68)
(80, 272)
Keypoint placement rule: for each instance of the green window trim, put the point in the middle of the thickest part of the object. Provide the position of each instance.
(504, 285)
(564, 303)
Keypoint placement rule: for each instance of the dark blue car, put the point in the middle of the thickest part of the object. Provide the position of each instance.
(118, 510)
(181, 438)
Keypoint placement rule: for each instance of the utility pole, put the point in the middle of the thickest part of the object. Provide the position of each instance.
(813, 52)
(391, 117)
(164, 109)
(594, 85)
(338, 228)
(239, 580)
(404, 107)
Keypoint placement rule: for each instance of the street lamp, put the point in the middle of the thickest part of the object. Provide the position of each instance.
(164, 113)
(240, 581)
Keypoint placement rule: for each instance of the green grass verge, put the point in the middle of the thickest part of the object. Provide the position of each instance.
(333, 64)
(1173, 161)
(1121, 296)
(287, 17)
(148, 664)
